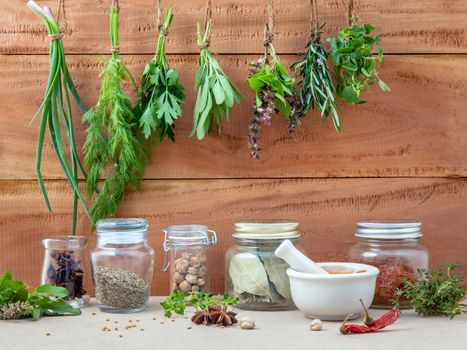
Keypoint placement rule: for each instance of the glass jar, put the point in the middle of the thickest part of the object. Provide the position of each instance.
(63, 266)
(393, 247)
(122, 265)
(185, 248)
(254, 274)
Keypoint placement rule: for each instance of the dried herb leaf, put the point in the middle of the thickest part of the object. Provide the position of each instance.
(277, 275)
(248, 275)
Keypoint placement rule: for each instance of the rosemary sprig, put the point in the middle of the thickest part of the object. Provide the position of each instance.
(273, 89)
(315, 86)
(216, 93)
(354, 64)
(161, 92)
(114, 141)
(56, 114)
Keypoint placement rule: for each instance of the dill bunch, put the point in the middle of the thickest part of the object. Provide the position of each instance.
(114, 146)
(161, 92)
(315, 86)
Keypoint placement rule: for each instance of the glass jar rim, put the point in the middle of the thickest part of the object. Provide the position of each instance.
(121, 231)
(65, 242)
(188, 235)
(263, 240)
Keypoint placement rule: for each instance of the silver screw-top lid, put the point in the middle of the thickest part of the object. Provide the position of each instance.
(389, 229)
(122, 231)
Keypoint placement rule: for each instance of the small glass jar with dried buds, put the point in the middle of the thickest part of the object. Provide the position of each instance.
(186, 248)
(122, 265)
(63, 267)
(393, 246)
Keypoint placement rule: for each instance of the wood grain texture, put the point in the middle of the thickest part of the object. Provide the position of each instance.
(418, 26)
(326, 209)
(418, 129)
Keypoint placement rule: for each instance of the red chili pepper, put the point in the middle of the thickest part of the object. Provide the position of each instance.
(370, 325)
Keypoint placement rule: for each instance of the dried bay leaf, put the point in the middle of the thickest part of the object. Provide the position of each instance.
(248, 275)
(277, 274)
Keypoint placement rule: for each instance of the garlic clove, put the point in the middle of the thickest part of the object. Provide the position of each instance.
(316, 325)
(247, 323)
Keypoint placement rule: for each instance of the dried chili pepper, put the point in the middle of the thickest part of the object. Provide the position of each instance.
(370, 325)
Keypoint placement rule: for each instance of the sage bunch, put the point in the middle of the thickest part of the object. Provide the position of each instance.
(161, 92)
(114, 146)
(216, 93)
(355, 66)
(56, 114)
(314, 81)
(274, 92)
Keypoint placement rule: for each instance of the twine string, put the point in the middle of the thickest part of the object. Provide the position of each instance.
(56, 37)
(269, 26)
(314, 24)
(160, 24)
(207, 26)
(350, 14)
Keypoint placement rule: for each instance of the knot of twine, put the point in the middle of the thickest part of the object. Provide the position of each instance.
(160, 26)
(204, 44)
(162, 30)
(269, 27)
(314, 24)
(115, 49)
(268, 37)
(56, 37)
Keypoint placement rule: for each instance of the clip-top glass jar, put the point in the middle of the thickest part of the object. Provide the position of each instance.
(185, 248)
(63, 266)
(393, 247)
(254, 273)
(122, 265)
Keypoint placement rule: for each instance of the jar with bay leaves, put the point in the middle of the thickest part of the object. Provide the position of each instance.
(254, 273)
(122, 265)
(186, 257)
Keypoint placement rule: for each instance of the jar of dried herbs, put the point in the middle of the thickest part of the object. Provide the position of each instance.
(122, 265)
(186, 257)
(393, 246)
(63, 266)
(254, 273)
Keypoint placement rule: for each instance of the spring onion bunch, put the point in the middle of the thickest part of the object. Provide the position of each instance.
(56, 113)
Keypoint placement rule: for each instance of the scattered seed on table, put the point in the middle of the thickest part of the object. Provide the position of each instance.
(173, 320)
(162, 322)
(121, 336)
(94, 314)
(142, 329)
(116, 322)
(108, 320)
(153, 318)
(137, 320)
(116, 328)
(47, 334)
(189, 327)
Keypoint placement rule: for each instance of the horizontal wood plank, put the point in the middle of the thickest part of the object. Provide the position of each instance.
(418, 129)
(422, 26)
(326, 209)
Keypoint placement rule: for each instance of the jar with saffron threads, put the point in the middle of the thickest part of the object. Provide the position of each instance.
(254, 274)
(393, 246)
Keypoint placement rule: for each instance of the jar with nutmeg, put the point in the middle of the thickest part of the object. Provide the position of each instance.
(186, 248)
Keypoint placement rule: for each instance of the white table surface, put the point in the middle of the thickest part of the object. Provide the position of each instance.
(284, 330)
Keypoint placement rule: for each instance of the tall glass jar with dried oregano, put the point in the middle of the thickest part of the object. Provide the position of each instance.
(122, 265)
(254, 274)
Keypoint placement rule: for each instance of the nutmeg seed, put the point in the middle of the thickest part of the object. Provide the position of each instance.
(191, 279)
(184, 286)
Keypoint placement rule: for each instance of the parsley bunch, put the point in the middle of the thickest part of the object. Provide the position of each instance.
(354, 64)
(161, 92)
(16, 302)
(436, 293)
(114, 144)
(216, 93)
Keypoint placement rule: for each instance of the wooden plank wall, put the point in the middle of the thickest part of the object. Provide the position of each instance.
(402, 155)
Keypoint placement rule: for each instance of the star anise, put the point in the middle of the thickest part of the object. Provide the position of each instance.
(222, 316)
(201, 317)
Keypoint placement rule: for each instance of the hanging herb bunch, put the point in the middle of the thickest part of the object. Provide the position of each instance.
(315, 87)
(161, 91)
(56, 113)
(216, 93)
(355, 66)
(114, 144)
(273, 89)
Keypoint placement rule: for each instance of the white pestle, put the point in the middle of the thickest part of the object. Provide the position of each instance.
(297, 260)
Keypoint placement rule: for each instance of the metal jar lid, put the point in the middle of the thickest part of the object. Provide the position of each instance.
(389, 229)
(262, 230)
